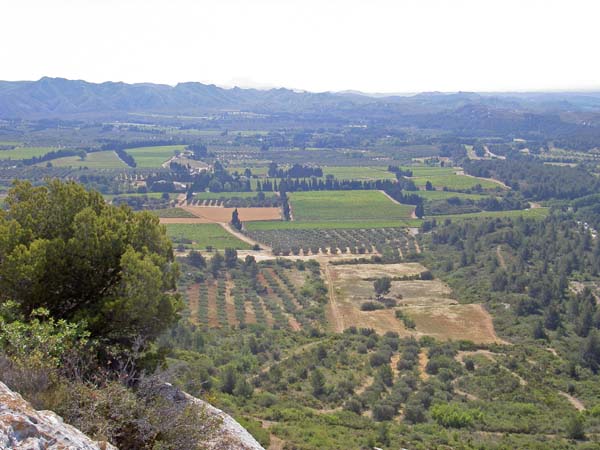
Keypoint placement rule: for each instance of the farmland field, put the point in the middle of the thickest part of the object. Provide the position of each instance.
(427, 303)
(218, 195)
(200, 236)
(536, 213)
(430, 171)
(173, 213)
(334, 224)
(337, 241)
(153, 157)
(359, 173)
(346, 206)
(94, 160)
(235, 199)
(273, 299)
(453, 181)
(218, 214)
(25, 152)
(443, 195)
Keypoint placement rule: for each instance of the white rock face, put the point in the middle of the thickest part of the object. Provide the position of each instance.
(232, 435)
(24, 428)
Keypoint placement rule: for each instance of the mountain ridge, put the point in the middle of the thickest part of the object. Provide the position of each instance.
(61, 97)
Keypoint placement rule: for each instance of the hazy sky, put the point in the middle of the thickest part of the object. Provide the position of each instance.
(368, 45)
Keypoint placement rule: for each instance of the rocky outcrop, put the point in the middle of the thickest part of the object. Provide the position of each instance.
(24, 428)
(231, 435)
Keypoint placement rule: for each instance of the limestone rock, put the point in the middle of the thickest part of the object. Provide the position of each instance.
(24, 428)
(231, 436)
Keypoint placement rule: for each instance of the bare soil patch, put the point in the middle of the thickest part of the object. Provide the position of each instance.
(423, 360)
(213, 320)
(575, 402)
(366, 271)
(223, 215)
(193, 295)
(500, 256)
(471, 322)
(229, 304)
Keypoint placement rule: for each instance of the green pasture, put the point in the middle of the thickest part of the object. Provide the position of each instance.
(532, 213)
(359, 173)
(95, 160)
(346, 205)
(443, 195)
(203, 235)
(454, 182)
(153, 157)
(25, 152)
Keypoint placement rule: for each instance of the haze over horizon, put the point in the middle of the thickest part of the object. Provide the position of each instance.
(384, 47)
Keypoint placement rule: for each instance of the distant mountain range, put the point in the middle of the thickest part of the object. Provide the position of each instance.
(59, 97)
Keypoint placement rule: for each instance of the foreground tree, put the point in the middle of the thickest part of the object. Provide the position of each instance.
(65, 249)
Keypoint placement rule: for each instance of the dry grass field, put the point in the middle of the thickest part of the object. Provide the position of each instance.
(428, 303)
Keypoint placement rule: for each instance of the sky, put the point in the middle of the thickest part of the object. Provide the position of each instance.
(400, 46)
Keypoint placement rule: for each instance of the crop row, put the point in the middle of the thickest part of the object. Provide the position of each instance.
(286, 299)
(237, 202)
(355, 241)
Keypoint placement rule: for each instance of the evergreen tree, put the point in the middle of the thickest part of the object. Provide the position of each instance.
(317, 382)
(235, 220)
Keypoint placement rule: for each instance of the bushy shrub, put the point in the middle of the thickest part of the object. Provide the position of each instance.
(451, 415)
(371, 306)
(383, 412)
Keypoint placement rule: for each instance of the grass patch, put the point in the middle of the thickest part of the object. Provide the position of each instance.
(359, 173)
(454, 181)
(95, 160)
(202, 235)
(153, 157)
(532, 213)
(25, 152)
(173, 212)
(345, 206)
(429, 171)
(443, 195)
